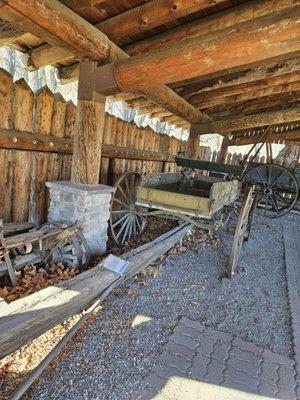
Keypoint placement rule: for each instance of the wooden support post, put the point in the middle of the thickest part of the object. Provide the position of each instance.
(193, 143)
(223, 151)
(90, 120)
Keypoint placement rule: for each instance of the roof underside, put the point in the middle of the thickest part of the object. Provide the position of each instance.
(257, 88)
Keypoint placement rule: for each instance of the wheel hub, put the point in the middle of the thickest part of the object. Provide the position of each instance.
(268, 191)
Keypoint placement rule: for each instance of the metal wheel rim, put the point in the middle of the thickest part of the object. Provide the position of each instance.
(275, 200)
(126, 219)
(241, 228)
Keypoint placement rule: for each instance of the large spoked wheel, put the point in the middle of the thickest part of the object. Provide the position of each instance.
(241, 231)
(126, 219)
(277, 188)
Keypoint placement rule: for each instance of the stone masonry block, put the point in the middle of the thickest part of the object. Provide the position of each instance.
(84, 205)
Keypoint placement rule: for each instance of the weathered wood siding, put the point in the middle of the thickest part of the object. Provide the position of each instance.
(23, 195)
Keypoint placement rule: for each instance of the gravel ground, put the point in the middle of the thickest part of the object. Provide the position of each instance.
(109, 358)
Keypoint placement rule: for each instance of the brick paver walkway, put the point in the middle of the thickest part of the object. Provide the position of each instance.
(200, 363)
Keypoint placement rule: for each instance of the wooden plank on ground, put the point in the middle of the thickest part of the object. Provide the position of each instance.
(27, 318)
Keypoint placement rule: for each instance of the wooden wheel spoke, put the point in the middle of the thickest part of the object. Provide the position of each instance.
(121, 203)
(123, 226)
(266, 205)
(128, 225)
(261, 178)
(138, 222)
(119, 211)
(269, 170)
(120, 220)
(123, 193)
(128, 191)
(276, 180)
(274, 203)
(282, 199)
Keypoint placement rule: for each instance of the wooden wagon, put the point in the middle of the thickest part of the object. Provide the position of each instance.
(277, 187)
(205, 202)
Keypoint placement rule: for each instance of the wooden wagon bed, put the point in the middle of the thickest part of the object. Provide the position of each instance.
(201, 197)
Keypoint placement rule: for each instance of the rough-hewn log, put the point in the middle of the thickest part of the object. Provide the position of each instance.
(19, 140)
(211, 23)
(249, 121)
(233, 16)
(58, 25)
(67, 74)
(150, 15)
(269, 137)
(243, 88)
(257, 73)
(90, 122)
(229, 101)
(193, 143)
(223, 151)
(268, 103)
(42, 57)
(8, 33)
(265, 38)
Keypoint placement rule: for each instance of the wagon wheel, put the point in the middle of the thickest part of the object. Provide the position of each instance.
(241, 231)
(126, 219)
(276, 186)
(74, 252)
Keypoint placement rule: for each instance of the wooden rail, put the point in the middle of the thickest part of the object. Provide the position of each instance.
(19, 140)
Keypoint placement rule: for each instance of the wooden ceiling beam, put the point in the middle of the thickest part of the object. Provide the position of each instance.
(257, 73)
(61, 27)
(149, 109)
(243, 88)
(211, 23)
(268, 103)
(136, 20)
(160, 114)
(8, 33)
(245, 12)
(147, 16)
(254, 94)
(275, 35)
(227, 125)
(269, 137)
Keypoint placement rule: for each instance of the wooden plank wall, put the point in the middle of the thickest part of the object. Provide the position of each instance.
(23, 196)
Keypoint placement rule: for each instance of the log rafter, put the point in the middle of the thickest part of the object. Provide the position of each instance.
(246, 76)
(47, 55)
(253, 94)
(243, 88)
(265, 38)
(270, 137)
(237, 123)
(83, 40)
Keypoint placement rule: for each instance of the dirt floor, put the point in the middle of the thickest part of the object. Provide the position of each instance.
(109, 358)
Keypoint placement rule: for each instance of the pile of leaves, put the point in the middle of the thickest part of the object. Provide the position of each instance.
(32, 279)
